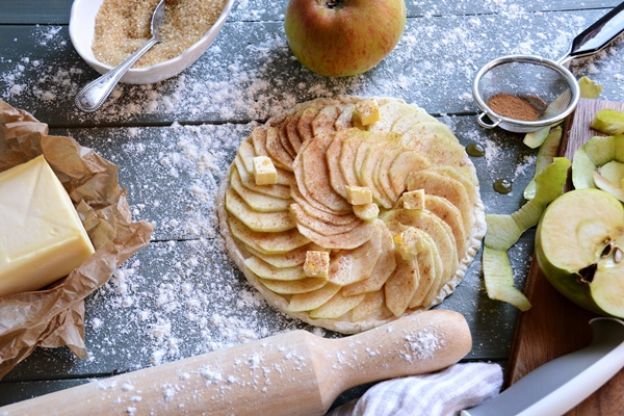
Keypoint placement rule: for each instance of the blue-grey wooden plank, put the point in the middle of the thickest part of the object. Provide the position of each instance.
(57, 11)
(249, 72)
(181, 298)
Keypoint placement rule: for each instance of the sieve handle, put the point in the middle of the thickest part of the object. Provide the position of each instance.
(493, 121)
(598, 35)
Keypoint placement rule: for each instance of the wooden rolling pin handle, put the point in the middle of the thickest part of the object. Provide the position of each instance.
(416, 344)
(295, 373)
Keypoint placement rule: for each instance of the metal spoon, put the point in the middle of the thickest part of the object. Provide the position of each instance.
(95, 93)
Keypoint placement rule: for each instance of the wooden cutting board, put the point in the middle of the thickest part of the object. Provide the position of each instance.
(556, 326)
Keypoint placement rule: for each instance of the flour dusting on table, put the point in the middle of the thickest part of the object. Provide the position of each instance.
(182, 296)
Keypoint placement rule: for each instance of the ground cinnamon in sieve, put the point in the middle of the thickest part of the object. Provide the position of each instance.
(514, 107)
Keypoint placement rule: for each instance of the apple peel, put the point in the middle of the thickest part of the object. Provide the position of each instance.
(505, 230)
(545, 154)
(499, 279)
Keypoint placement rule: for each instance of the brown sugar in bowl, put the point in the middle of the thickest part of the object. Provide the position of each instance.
(82, 25)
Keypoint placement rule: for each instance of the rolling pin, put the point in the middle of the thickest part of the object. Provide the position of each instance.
(295, 373)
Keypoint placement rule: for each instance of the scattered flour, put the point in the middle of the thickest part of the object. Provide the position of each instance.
(421, 345)
(182, 296)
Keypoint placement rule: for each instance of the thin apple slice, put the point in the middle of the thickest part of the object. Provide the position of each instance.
(452, 172)
(343, 121)
(410, 119)
(299, 188)
(389, 113)
(336, 307)
(380, 174)
(346, 241)
(350, 144)
(451, 215)
(292, 133)
(276, 151)
(499, 281)
(394, 110)
(360, 155)
(267, 243)
(283, 137)
(336, 179)
(445, 187)
(292, 258)
(437, 144)
(257, 201)
(316, 225)
(401, 286)
(276, 191)
(402, 166)
(323, 123)
(258, 140)
(319, 214)
(430, 282)
(265, 271)
(311, 300)
(258, 148)
(384, 267)
(351, 266)
(414, 245)
(372, 307)
(272, 222)
(316, 175)
(304, 126)
(428, 222)
(293, 287)
(247, 153)
(372, 158)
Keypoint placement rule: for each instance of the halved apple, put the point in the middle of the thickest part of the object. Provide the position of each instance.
(580, 248)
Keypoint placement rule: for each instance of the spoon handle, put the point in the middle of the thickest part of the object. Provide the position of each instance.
(598, 35)
(93, 95)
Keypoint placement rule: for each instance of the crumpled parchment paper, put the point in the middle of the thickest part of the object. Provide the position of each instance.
(54, 316)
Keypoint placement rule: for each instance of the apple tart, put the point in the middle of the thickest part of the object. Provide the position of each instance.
(349, 212)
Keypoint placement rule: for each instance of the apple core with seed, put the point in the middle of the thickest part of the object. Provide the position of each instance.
(580, 249)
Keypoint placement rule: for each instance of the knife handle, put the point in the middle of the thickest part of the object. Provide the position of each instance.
(559, 385)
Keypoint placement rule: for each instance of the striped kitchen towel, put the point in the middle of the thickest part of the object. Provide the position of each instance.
(440, 394)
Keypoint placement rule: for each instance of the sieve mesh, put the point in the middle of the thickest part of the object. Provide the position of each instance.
(537, 84)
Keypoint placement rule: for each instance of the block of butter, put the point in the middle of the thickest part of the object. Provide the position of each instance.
(41, 236)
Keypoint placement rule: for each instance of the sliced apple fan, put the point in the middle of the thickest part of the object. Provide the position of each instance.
(381, 259)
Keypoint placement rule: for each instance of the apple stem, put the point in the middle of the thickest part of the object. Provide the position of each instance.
(332, 4)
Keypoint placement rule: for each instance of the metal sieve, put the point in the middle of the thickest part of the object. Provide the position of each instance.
(546, 85)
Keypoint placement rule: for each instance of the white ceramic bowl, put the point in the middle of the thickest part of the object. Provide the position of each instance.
(82, 31)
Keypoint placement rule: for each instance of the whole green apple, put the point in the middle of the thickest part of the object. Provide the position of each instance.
(343, 37)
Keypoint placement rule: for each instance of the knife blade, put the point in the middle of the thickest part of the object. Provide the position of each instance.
(559, 385)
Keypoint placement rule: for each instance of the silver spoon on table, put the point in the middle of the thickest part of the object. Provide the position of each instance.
(95, 93)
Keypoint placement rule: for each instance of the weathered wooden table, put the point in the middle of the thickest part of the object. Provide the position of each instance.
(172, 141)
